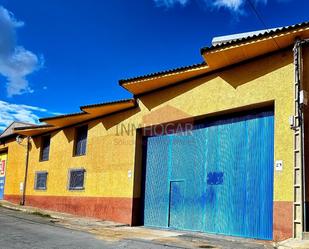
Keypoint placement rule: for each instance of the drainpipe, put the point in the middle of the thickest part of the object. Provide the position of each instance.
(23, 199)
(300, 114)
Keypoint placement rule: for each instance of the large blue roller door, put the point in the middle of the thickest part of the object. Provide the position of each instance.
(217, 178)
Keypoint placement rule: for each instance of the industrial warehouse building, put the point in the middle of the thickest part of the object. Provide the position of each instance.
(218, 147)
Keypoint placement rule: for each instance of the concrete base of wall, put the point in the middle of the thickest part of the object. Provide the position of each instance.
(129, 211)
(113, 209)
(283, 220)
(13, 198)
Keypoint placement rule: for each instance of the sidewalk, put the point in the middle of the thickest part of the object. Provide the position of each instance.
(111, 231)
(293, 243)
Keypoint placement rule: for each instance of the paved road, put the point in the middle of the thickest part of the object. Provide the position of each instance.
(22, 231)
(19, 230)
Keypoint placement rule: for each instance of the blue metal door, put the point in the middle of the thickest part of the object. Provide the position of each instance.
(1, 187)
(177, 211)
(217, 178)
(2, 179)
(156, 195)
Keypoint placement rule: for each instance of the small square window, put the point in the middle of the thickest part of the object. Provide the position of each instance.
(80, 141)
(77, 178)
(40, 180)
(45, 144)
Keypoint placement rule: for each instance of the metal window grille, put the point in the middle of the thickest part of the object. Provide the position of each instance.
(40, 180)
(81, 140)
(45, 148)
(77, 177)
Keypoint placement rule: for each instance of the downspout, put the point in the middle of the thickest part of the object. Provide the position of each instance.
(26, 172)
(298, 64)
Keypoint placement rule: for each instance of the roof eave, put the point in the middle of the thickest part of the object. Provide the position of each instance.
(107, 103)
(32, 127)
(161, 73)
(148, 84)
(62, 116)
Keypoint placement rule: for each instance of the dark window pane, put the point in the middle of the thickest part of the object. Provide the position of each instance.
(41, 180)
(81, 140)
(77, 179)
(45, 148)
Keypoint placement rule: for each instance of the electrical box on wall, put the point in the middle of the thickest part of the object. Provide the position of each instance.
(292, 121)
(303, 99)
(21, 187)
(129, 173)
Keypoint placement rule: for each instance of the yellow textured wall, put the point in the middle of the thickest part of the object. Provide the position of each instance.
(110, 156)
(15, 166)
(268, 79)
(105, 163)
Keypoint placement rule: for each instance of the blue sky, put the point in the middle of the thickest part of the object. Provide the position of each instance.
(56, 55)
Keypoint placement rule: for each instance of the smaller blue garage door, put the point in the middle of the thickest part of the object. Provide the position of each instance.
(217, 178)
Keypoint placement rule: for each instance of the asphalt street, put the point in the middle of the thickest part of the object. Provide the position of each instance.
(19, 230)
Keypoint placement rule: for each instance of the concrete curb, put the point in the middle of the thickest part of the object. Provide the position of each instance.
(30, 210)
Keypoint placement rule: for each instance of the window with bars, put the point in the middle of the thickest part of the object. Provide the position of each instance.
(81, 141)
(77, 178)
(40, 180)
(45, 145)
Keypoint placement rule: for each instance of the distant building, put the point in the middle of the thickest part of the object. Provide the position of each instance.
(8, 140)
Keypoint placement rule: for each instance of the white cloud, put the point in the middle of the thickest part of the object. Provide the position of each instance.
(16, 63)
(232, 5)
(24, 113)
(170, 3)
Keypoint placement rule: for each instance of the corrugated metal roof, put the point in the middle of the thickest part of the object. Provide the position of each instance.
(175, 70)
(227, 38)
(107, 103)
(32, 127)
(218, 43)
(262, 33)
(63, 116)
(85, 106)
(82, 112)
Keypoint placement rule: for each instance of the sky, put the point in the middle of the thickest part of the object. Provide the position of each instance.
(58, 55)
